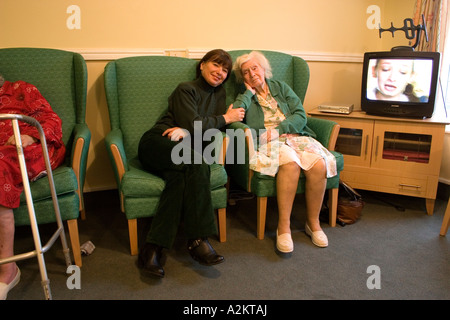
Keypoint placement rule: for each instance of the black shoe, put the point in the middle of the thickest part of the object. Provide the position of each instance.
(202, 251)
(149, 258)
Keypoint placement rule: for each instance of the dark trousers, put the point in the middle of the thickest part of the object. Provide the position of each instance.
(186, 196)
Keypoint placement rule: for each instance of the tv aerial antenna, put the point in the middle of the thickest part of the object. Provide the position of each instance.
(411, 31)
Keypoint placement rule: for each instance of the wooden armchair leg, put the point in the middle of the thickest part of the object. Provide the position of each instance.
(82, 207)
(227, 186)
(222, 222)
(332, 205)
(446, 220)
(72, 225)
(132, 232)
(261, 208)
(83, 214)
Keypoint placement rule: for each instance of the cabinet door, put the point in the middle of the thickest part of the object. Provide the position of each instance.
(407, 148)
(355, 141)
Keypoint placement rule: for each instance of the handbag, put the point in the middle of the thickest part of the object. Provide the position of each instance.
(350, 204)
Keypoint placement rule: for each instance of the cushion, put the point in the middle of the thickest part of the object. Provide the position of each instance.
(68, 204)
(65, 182)
(139, 183)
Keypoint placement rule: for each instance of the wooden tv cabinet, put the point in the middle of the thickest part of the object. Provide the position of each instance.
(389, 154)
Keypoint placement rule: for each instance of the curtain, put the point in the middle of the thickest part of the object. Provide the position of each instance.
(435, 13)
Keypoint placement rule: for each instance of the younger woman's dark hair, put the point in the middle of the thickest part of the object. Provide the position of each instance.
(221, 57)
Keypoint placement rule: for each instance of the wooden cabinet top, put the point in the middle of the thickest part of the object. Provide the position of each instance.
(358, 114)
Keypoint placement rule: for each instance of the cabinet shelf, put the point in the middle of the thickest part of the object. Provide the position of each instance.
(409, 142)
(348, 136)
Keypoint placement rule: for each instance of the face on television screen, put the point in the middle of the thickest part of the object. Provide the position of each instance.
(399, 80)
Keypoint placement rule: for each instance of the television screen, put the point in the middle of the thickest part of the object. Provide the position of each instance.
(401, 80)
(400, 83)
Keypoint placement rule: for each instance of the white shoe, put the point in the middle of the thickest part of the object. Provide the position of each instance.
(5, 288)
(284, 243)
(319, 238)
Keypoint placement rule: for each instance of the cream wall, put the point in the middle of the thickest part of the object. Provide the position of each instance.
(331, 35)
(316, 26)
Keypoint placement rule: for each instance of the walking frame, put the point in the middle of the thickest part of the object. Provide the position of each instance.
(39, 249)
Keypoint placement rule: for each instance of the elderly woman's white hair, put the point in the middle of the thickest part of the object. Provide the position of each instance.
(260, 59)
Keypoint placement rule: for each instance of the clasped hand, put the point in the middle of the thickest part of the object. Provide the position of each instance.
(26, 140)
(234, 115)
(176, 133)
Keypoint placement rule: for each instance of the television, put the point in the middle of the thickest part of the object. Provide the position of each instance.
(400, 83)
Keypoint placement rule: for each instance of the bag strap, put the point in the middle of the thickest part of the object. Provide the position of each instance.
(350, 191)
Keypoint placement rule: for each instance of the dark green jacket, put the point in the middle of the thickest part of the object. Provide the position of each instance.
(288, 102)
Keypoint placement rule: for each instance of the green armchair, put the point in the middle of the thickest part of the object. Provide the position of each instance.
(61, 77)
(137, 91)
(295, 72)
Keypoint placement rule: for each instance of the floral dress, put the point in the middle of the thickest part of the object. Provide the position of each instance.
(23, 98)
(291, 147)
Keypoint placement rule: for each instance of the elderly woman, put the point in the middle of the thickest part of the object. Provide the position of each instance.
(286, 145)
(22, 98)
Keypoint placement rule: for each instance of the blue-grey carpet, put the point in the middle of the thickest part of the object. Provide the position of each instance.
(410, 259)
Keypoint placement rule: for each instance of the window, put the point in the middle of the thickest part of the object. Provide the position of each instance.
(443, 94)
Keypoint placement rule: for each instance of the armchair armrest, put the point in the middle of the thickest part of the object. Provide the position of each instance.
(116, 152)
(241, 146)
(237, 125)
(80, 148)
(78, 158)
(224, 147)
(327, 131)
(216, 150)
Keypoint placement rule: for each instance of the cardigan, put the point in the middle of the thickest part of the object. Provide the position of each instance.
(288, 102)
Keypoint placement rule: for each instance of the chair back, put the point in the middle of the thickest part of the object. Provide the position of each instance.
(48, 70)
(285, 67)
(137, 91)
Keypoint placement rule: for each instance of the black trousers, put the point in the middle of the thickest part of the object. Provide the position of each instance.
(186, 196)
